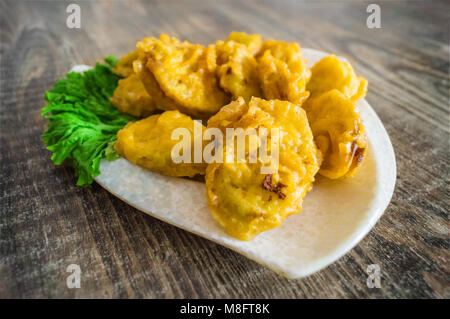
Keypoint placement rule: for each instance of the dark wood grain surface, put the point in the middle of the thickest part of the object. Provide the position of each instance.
(47, 223)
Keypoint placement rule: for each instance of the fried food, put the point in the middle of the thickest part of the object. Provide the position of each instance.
(162, 102)
(148, 143)
(182, 73)
(283, 72)
(338, 132)
(256, 188)
(242, 199)
(237, 69)
(332, 73)
(253, 42)
(132, 98)
(124, 67)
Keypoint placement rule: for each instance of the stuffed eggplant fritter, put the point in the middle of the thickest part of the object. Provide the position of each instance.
(243, 198)
(131, 97)
(148, 143)
(338, 132)
(182, 72)
(282, 71)
(124, 66)
(331, 73)
(236, 69)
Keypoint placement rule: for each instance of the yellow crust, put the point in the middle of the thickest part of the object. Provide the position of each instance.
(235, 192)
(148, 143)
(124, 67)
(339, 133)
(282, 71)
(331, 73)
(131, 97)
(181, 71)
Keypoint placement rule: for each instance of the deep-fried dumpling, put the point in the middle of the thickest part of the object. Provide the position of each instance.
(237, 69)
(181, 70)
(339, 133)
(283, 72)
(124, 67)
(243, 199)
(332, 73)
(148, 143)
(253, 42)
(132, 98)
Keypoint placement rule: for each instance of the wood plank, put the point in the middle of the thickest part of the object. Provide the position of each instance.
(47, 223)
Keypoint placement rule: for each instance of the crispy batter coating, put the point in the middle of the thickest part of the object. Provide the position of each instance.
(162, 102)
(237, 69)
(124, 67)
(253, 42)
(339, 133)
(181, 70)
(242, 199)
(148, 143)
(314, 109)
(132, 98)
(332, 73)
(282, 71)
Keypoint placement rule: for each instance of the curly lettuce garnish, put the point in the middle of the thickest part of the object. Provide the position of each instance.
(82, 121)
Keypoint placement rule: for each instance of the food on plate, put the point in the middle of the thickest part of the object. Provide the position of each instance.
(162, 102)
(246, 201)
(294, 122)
(124, 66)
(282, 71)
(253, 42)
(182, 73)
(131, 97)
(148, 143)
(237, 69)
(338, 132)
(331, 73)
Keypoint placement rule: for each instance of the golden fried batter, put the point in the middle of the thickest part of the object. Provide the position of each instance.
(148, 143)
(283, 72)
(254, 190)
(253, 42)
(131, 97)
(339, 133)
(124, 67)
(237, 70)
(162, 102)
(242, 199)
(332, 73)
(181, 70)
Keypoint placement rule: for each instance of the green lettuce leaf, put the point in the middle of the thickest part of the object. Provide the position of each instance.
(82, 121)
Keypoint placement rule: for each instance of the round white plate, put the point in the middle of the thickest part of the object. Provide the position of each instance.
(336, 215)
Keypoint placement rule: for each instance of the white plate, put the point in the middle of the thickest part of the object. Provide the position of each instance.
(336, 215)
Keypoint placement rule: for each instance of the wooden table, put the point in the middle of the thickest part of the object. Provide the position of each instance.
(47, 223)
